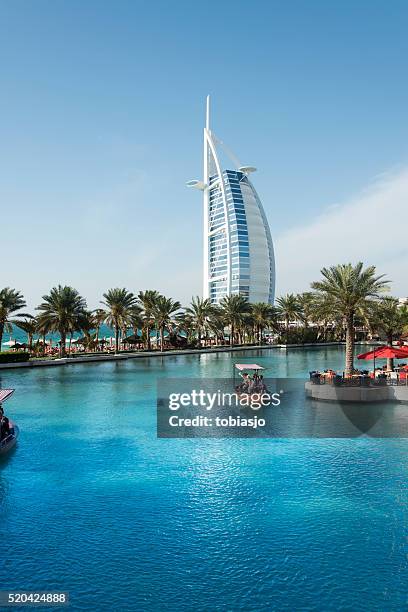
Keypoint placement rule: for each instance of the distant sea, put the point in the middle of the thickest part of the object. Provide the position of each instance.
(21, 336)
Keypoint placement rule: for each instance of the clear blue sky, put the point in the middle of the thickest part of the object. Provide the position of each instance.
(101, 116)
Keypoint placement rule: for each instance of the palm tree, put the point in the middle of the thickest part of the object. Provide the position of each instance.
(246, 329)
(307, 307)
(388, 317)
(120, 305)
(99, 316)
(349, 290)
(216, 325)
(163, 311)
(148, 299)
(30, 326)
(136, 319)
(263, 315)
(404, 313)
(289, 309)
(183, 323)
(86, 323)
(43, 328)
(324, 317)
(233, 309)
(10, 302)
(200, 313)
(61, 311)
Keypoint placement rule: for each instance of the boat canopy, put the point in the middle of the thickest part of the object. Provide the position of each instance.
(248, 366)
(5, 394)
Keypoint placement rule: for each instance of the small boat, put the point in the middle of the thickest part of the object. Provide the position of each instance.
(244, 369)
(10, 439)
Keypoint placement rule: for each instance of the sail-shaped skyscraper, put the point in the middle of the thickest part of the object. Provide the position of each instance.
(238, 249)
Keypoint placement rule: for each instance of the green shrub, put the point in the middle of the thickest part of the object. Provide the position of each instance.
(299, 336)
(14, 357)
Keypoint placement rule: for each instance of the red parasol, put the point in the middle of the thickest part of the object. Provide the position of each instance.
(385, 352)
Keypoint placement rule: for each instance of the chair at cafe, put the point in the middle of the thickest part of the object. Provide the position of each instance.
(393, 377)
(338, 380)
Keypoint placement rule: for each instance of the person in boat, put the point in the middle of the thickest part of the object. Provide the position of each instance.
(253, 385)
(1, 421)
(257, 385)
(262, 386)
(246, 383)
(4, 427)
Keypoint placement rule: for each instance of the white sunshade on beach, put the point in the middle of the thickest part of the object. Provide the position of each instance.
(248, 366)
(5, 394)
(156, 338)
(10, 342)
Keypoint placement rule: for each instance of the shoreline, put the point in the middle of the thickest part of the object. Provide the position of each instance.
(35, 363)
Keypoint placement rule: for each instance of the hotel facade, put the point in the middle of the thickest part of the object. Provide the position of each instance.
(238, 249)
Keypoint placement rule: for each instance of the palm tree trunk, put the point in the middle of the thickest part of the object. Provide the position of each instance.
(116, 338)
(390, 361)
(149, 346)
(1, 334)
(62, 345)
(161, 339)
(232, 335)
(349, 345)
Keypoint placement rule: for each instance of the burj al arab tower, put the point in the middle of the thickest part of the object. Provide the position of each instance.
(238, 249)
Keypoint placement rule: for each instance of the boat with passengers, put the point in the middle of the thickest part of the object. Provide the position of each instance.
(8, 430)
(252, 380)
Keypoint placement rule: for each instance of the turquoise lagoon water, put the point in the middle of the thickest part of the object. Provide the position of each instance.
(94, 504)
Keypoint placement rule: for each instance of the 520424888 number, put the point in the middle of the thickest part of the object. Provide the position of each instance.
(33, 598)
